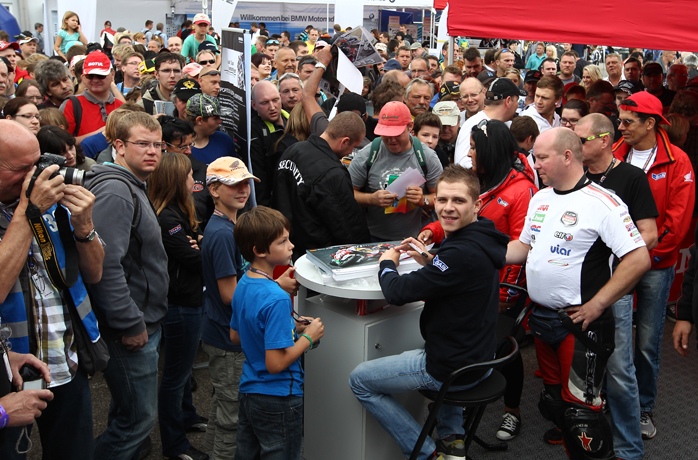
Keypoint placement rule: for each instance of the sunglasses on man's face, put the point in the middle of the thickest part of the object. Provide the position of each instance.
(92, 76)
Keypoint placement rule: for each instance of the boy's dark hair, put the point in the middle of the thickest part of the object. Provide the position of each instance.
(471, 54)
(455, 173)
(384, 93)
(553, 82)
(258, 228)
(598, 88)
(426, 119)
(524, 127)
(167, 58)
(489, 56)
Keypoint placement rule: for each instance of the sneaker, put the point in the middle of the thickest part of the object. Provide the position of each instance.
(510, 427)
(671, 312)
(647, 427)
(452, 448)
(191, 454)
(145, 448)
(199, 426)
(553, 436)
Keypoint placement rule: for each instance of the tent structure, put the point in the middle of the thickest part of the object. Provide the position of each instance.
(8, 23)
(653, 24)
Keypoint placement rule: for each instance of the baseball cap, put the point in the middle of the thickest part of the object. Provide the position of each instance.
(533, 75)
(450, 87)
(448, 112)
(5, 45)
(381, 47)
(96, 63)
(501, 88)
(185, 88)
(644, 102)
(628, 86)
(191, 69)
(351, 101)
(203, 105)
(23, 39)
(202, 18)
(652, 68)
(147, 66)
(228, 171)
(415, 45)
(390, 64)
(393, 118)
(75, 60)
(320, 44)
(208, 46)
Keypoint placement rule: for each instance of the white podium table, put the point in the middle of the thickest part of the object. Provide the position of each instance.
(336, 425)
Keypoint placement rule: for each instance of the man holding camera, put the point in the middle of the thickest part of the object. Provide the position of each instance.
(37, 312)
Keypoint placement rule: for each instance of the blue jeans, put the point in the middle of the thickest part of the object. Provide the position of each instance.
(652, 295)
(181, 330)
(269, 427)
(621, 386)
(132, 378)
(65, 426)
(374, 381)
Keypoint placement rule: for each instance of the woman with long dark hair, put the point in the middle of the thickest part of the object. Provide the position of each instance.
(170, 191)
(506, 188)
(53, 139)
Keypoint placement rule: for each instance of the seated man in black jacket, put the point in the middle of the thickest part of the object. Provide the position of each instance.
(313, 189)
(457, 322)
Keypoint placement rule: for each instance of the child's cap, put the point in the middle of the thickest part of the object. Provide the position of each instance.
(228, 171)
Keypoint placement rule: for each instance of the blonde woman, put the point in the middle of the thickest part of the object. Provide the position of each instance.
(590, 75)
(551, 52)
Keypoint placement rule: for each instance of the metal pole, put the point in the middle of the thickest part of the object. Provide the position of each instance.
(451, 44)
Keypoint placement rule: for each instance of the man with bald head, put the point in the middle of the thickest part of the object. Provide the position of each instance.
(174, 44)
(677, 77)
(571, 229)
(398, 76)
(472, 94)
(285, 62)
(268, 121)
(66, 424)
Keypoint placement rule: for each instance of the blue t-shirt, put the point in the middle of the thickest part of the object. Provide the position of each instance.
(262, 318)
(67, 38)
(91, 146)
(221, 257)
(219, 145)
(120, 87)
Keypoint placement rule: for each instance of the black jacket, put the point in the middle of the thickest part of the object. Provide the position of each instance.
(461, 293)
(314, 191)
(264, 157)
(183, 261)
(202, 197)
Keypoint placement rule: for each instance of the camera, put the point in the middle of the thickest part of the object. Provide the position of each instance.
(70, 175)
(32, 378)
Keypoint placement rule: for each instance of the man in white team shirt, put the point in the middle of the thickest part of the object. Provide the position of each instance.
(549, 93)
(571, 229)
(501, 102)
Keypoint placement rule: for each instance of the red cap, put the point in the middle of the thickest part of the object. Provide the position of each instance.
(96, 63)
(393, 118)
(644, 102)
(5, 45)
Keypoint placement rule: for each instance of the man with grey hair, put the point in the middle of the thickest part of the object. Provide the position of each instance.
(691, 61)
(418, 96)
(677, 77)
(290, 89)
(419, 67)
(54, 80)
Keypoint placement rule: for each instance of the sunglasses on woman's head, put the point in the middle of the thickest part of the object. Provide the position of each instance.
(209, 62)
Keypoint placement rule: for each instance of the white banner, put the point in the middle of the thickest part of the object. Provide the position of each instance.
(221, 13)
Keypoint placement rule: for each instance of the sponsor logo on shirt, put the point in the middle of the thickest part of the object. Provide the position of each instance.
(386, 270)
(535, 228)
(659, 176)
(502, 202)
(558, 263)
(198, 187)
(175, 230)
(569, 219)
(543, 207)
(627, 219)
(688, 177)
(563, 236)
(630, 226)
(562, 251)
(634, 233)
(538, 217)
(656, 259)
(439, 264)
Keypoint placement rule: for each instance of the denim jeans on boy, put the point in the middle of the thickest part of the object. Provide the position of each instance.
(269, 427)
(65, 426)
(181, 330)
(652, 295)
(374, 381)
(132, 378)
(621, 386)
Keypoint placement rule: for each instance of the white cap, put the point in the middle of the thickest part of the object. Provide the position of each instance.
(448, 112)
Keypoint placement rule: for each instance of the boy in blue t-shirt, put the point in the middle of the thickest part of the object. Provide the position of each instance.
(273, 342)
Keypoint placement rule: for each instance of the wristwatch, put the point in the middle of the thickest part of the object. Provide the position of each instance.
(426, 201)
(90, 236)
(321, 65)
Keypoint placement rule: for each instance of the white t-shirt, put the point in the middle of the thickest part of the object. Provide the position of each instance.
(643, 159)
(463, 142)
(543, 124)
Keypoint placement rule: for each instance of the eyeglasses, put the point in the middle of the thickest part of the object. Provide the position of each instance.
(133, 63)
(209, 62)
(29, 117)
(92, 76)
(625, 121)
(35, 98)
(591, 138)
(182, 147)
(169, 71)
(482, 126)
(145, 145)
(466, 96)
(569, 121)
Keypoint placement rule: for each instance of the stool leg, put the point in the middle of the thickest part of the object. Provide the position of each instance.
(426, 429)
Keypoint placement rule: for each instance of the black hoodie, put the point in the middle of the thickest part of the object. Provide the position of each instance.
(461, 293)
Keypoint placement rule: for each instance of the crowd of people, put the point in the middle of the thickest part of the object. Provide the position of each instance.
(538, 171)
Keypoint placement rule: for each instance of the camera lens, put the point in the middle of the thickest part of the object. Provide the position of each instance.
(72, 176)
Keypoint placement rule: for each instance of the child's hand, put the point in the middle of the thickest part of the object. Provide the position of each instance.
(302, 323)
(287, 283)
(315, 329)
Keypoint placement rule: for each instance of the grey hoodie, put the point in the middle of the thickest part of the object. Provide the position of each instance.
(119, 305)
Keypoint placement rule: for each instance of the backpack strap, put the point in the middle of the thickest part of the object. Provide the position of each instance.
(419, 151)
(77, 114)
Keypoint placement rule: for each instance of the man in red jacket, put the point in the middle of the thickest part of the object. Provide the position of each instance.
(671, 179)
